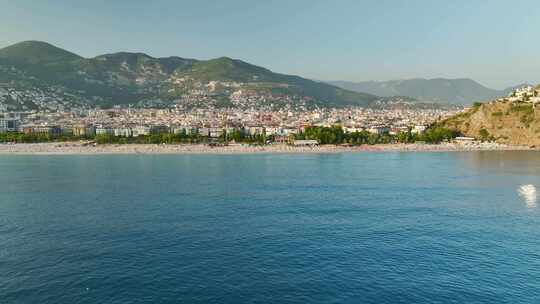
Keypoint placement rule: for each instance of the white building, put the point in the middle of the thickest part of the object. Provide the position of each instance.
(353, 129)
(418, 129)
(104, 131)
(378, 130)
(124, 132)
(8, 125)
(140, 131)
(525, 94)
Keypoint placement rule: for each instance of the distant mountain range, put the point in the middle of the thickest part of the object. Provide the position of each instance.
(36, 74)
(439, 90)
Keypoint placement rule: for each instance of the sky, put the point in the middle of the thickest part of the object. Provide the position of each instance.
(495, 42)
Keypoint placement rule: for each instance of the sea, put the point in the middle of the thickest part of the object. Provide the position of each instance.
(390, 227)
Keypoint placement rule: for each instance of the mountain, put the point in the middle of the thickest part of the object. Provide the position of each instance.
(36, 52)
(440, 90)
(36, 74)
(502, 120)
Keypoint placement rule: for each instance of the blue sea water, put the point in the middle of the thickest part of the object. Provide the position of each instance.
(337, 228)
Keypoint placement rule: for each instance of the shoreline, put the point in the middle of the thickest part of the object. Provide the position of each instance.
(79, 148)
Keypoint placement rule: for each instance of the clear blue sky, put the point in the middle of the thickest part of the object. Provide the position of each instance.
(495, 42)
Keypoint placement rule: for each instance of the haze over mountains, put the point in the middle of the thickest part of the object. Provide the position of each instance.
(439, 90)
(33, 70)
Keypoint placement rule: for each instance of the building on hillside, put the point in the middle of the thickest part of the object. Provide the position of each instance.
(525, 94)
(534, 100)
(526, 91)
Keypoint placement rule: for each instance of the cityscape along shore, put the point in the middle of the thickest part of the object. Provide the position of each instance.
(84, 148)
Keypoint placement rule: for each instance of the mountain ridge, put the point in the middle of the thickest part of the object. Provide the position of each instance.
(458, 91)
(135, 78)
(34, 52)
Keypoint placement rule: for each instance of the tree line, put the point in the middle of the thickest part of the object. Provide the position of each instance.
(158, 138)
(335, 135)
(324, 135)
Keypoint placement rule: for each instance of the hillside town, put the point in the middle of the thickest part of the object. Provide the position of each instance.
(527, 94)
(178, 94)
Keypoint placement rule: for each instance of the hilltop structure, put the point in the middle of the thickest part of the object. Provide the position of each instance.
(527, 94)
(510, 120)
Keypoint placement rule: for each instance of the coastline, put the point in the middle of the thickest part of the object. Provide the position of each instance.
(79, 148)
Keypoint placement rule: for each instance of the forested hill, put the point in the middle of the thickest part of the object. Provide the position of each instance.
(34, 73)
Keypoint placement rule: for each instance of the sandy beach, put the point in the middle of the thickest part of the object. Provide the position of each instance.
(84, 148)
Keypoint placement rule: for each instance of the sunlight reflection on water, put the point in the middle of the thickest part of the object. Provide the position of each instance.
(529, 194)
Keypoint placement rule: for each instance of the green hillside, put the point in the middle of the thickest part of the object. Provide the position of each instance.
(37, 52)
(227, 69)
(122, 78)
